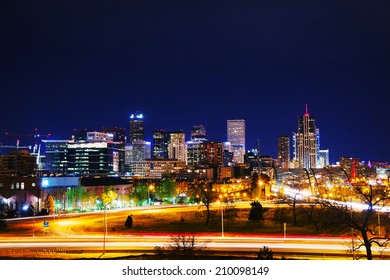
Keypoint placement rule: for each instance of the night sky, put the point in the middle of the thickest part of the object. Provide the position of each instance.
(90, 64)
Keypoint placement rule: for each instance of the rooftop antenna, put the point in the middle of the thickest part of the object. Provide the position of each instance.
(307, 111)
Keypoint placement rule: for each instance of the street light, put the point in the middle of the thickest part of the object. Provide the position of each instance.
(105, 228)
(222, 230)
(149, 188)
(27, 207)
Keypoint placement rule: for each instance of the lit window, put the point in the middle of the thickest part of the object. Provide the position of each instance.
(22, 185)
(17, 185)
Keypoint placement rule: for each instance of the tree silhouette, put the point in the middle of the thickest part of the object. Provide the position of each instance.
(363, 221)
(256, 212)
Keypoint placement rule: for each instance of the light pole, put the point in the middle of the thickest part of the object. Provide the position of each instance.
(105, 228)
(223, 235)
(149, 188)
(27, 207)
(222, 230)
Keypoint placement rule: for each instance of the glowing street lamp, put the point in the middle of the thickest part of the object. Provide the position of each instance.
(27, 207)
(149, 189)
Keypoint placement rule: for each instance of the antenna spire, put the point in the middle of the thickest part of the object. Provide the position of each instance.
(307, 111)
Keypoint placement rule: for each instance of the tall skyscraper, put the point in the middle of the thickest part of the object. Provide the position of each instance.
(161, 140)
(177, 148)
(283, 151)
(306, 141)
(136, 127)
(236, 137)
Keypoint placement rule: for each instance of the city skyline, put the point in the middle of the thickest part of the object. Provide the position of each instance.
(185, 64)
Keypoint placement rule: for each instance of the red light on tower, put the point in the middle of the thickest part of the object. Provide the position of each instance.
(355, 162)
(307, 112)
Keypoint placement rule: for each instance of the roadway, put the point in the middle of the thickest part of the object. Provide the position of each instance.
(64, 235)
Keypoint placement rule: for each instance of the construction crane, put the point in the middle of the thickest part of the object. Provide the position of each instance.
(34, 135)
(17, 146)
(37, 146)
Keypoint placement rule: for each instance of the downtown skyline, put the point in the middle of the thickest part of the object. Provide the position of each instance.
(66, 67)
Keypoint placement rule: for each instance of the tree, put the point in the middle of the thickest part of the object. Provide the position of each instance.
(257, 211)
(265, 254)
(166, 190)
(363, 221)
(182, 247)
(314, 213)
(87, 199)
(280, 216)
(208, 197)
(108, 197)
(230, 212)
(202, 191)
(70, 195)
(49, 204)
(296, 183)
(140, 193)
(129, 221)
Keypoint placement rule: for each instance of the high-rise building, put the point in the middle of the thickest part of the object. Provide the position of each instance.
(161, 140)
(137, 127)
(236, 137)
(90, 153)
(135, 153)
(56, 156)
(198, 133)
(194, 153)
(306, 141)
(94, 158)
(17, 163)
(177, 148)
(212, 154)
(283, 151)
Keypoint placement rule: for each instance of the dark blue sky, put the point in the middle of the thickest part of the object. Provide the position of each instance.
(66, 65)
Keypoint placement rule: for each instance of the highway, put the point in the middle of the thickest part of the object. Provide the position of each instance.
(65, 235)
(142, 244)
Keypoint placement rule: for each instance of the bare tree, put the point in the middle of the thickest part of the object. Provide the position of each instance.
(182, 247)
(204, 189)
(231, 212)
(345, 200)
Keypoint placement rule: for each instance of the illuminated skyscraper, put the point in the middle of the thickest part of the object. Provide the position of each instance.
(306, 141)
(177, 148)
(136, 127)
(160, 144)
(283, 151)
(236, 137)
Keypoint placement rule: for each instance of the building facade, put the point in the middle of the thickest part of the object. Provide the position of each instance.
(161, 140)
(137, 128)
(177, 148)
(236, 137)
(306, 141)
(283, 151)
